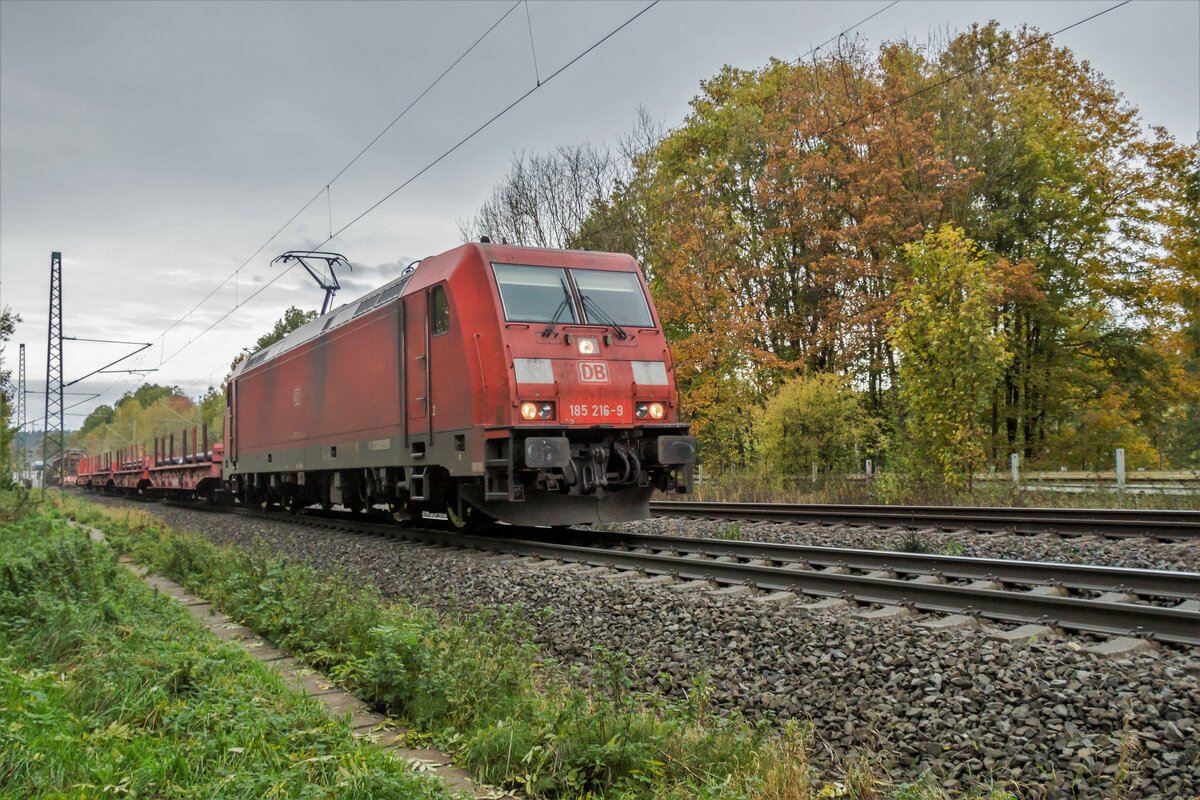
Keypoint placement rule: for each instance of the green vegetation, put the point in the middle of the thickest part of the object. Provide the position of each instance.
(8, 324)
(477, 686)
(951, 355)
(815, 422)
(150, 411)
(110, 689)
(730, 531)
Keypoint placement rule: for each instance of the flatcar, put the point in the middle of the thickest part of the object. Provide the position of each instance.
(491, 382)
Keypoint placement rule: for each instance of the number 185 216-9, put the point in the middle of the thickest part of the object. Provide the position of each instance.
(595, 410)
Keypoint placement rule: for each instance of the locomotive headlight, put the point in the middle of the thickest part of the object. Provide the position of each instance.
(541, 410)
(651, 410)
(588, 345)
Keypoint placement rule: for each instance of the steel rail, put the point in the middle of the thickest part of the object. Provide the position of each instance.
(1093, 616)
(1176, 625)
(1143, 582)
(1106, 522)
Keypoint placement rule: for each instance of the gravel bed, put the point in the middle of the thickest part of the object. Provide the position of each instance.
(1143, 553)
(1043, 714)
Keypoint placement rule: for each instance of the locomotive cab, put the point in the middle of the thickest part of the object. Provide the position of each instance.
(591, 425)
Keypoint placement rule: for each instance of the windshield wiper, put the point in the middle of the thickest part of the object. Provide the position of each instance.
(603, 316)
(557, 313)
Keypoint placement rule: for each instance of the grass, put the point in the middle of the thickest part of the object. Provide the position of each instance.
(476, 685)
(109, 689)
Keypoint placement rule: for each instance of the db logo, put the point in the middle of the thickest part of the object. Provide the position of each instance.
(593, 372)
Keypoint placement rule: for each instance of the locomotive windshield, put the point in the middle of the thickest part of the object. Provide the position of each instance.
(534, 294)
(543, 294)
(612, 298)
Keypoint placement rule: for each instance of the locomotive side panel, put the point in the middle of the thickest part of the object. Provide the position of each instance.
(332, 403)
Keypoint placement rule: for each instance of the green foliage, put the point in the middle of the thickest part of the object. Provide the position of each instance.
(148, 394)
(814, 422)
(952, 548)
(8, 325)
(952, 355)
(730, 531)
(109, 688)
(101, 415)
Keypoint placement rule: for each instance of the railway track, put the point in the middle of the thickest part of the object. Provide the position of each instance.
(1109, 601)
(1111, 523)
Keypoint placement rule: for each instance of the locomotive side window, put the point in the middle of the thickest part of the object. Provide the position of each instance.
(612, 296)
(534, 294)
(440, 319)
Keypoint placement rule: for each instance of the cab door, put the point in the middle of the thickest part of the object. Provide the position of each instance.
(452, 356)
(231, 421)
(416, 372)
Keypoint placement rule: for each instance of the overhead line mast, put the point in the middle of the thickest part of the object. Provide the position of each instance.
(22, 450)
(52, 439)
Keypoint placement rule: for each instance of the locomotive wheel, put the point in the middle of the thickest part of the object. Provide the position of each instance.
(290, 504)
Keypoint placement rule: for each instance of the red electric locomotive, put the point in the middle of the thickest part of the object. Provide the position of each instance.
(524, 385)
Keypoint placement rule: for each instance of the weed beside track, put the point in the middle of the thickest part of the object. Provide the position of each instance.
(109, 688)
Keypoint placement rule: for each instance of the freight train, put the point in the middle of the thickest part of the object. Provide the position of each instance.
(491, 382)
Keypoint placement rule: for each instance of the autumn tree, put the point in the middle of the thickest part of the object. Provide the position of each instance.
(1181, 255)
(545, 198)
(952, 353)
(1065, 181)
(772, 225)
(813, 422)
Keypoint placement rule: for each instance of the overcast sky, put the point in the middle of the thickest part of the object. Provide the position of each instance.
(158, 145)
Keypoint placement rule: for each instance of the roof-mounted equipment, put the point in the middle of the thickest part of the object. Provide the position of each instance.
(331, 260)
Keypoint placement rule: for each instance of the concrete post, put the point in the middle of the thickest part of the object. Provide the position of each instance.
(870, 468)
(1014, 462)
(1120, 467)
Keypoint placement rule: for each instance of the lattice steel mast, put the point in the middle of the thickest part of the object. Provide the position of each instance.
(52, 440)
(22, 453)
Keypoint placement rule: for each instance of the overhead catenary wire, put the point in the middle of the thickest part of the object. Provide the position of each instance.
(279, 276)
(658, 206)
(234, 275)
(488, 123)
(532, 47)
(325, 187)
(425, 169)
